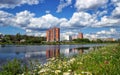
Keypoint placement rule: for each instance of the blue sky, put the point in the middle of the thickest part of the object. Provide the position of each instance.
(95, 18)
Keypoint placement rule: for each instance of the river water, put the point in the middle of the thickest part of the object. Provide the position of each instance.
(41, 53)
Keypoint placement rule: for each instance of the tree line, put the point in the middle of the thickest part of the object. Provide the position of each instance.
(25, 39)
(21, 39)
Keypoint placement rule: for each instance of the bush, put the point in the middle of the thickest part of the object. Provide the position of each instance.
(12, 68)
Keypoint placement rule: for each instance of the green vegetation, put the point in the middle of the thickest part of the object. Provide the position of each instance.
(104, 61)
(12, 68)
(19, 39)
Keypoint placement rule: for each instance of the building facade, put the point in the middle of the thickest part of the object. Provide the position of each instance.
(80, 35)
(53, 34)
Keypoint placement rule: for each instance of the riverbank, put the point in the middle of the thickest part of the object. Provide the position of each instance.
(103, 61)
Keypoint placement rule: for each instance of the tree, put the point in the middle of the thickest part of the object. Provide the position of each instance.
(18, 37)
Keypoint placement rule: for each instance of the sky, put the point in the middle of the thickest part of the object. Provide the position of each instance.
(94, 18)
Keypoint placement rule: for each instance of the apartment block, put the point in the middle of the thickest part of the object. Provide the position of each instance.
(53, 34)
(80, 35)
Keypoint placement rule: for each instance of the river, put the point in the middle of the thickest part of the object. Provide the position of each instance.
(41, 53)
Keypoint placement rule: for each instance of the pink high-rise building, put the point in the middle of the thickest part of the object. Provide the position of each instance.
(53, 34)
(80, 35)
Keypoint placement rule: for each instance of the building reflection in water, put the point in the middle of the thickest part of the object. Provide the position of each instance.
(79, 50)
(53, 52)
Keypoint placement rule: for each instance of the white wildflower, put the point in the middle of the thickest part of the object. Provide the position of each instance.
(66, 73)
(57, 71)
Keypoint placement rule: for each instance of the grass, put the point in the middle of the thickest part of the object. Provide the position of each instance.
(12, 68)
(103, 61)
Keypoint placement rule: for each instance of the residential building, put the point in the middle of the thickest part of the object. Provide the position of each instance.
(66, 38)
(80, 35)
(53, 34)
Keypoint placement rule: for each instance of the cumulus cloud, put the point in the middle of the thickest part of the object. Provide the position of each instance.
(82, 19)
(14, 3)
(45, 21)
(107, 21)
(27, 21)
(111, 33)
(5, 18)
(115, 1)
(116, 11)
(22, 19)
(101, 13)
(63, 4)
(79, 20)
(89, 4)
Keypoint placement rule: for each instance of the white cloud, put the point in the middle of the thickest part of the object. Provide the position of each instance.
(107, 21)
(28, 30)
(90, 36)
(14, 3)
(115, 1)
(35, 33)
(101, 13)
(27, 21)
(116, 11)
(5, 18)
(63, 4)
(22, 19)
(89, 4)
(45, 21)
(79, 19)
(112, 33)
(82, 19)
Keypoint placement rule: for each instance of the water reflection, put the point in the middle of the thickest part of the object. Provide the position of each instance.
(41, 53)
(53, 52)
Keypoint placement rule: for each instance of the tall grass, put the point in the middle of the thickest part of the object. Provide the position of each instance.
(13, 67)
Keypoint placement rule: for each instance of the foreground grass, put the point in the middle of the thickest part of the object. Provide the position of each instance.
(104, 61)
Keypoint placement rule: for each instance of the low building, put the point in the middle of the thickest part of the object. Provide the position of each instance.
(1, 36)
(109, 39)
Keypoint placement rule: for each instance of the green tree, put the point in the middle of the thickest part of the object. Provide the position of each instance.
(18, 37)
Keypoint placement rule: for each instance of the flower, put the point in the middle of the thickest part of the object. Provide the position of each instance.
(66, 73)
(88, 73)
(79, 63)
(57, 71)
(43, 70)
(71, 60)
(69, 70)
